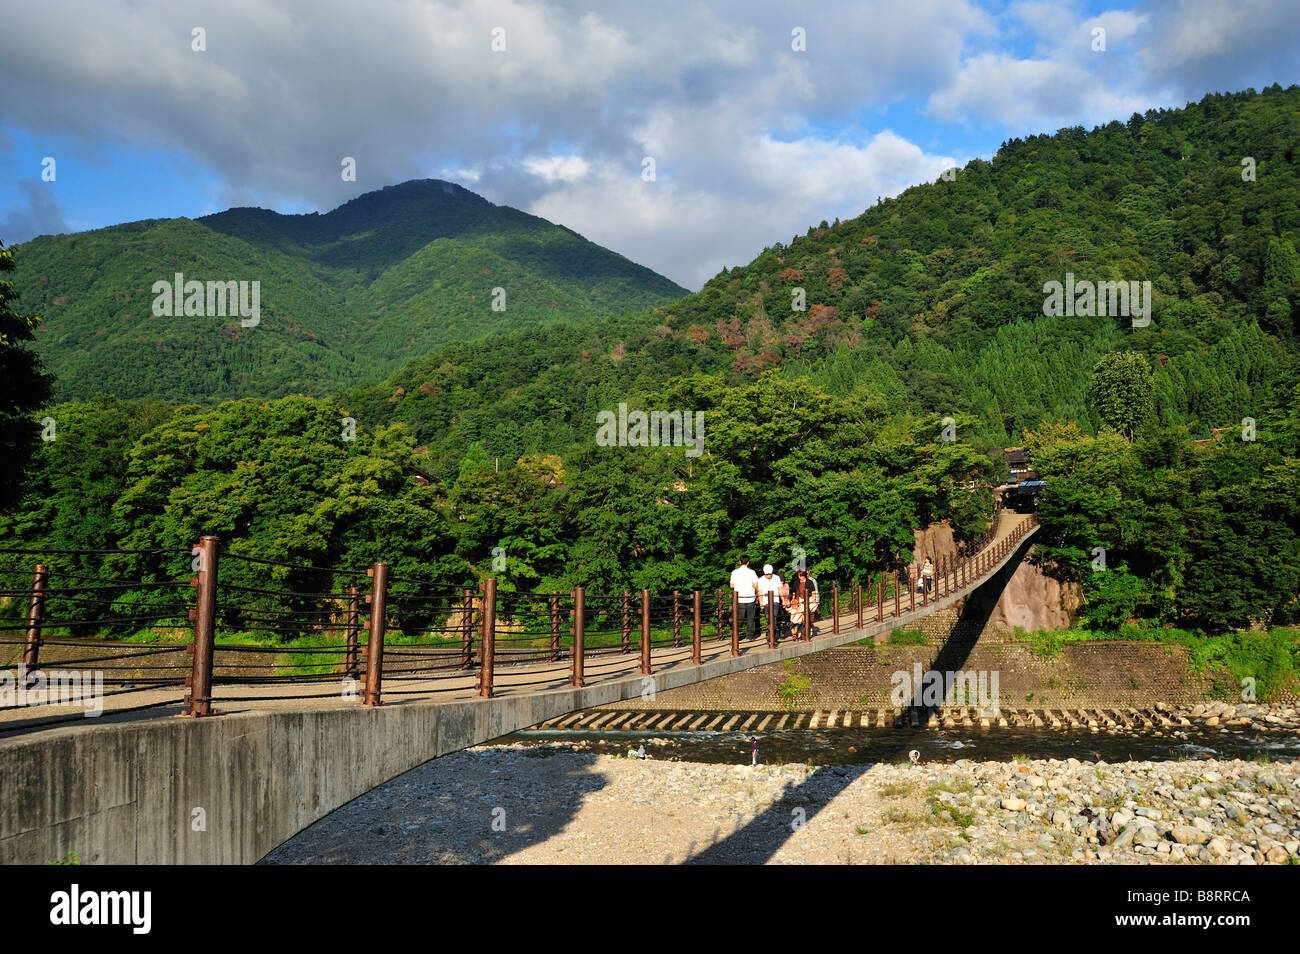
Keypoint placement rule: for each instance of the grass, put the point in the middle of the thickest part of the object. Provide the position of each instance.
(794, 686)
(951, 786)
(899, 816)
(895, 789)
(950, 815)
(907, 637)
(1227, 660)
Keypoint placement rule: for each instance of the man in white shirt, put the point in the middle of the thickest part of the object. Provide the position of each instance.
(770, 582)
(745, 582)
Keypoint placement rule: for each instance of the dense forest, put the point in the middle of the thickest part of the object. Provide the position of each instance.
(922, 349)
(344, 298)
(933, 302)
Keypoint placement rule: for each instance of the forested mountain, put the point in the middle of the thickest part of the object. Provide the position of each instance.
(933, 302)
(345, 297)
(924, 347)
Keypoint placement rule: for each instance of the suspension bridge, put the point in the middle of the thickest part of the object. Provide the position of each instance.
(205, 746)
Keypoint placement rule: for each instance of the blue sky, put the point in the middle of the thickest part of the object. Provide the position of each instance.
(753, 139)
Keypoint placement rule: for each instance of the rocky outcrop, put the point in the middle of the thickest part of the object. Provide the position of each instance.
(1030, 599)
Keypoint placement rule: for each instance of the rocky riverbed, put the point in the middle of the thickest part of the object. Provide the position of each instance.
(552, 804)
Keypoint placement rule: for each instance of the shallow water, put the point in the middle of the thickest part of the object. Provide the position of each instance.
(855, 746)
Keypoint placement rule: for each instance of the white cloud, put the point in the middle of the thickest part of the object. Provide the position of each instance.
(557, 168)
(775, 190)
(753, 141)
(1032, 95)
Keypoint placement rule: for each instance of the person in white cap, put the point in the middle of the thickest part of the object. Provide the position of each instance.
(770, 582)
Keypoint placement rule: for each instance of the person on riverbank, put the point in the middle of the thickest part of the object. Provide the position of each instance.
(745, 582)
(769, 594)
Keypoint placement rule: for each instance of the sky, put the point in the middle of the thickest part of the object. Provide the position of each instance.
(761, 119)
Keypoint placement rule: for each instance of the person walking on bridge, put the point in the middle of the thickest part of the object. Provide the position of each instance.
(927, 575)
(745, 582)
(803, 592)
(769, 594)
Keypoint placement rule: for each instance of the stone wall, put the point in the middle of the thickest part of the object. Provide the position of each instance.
(1084, 675)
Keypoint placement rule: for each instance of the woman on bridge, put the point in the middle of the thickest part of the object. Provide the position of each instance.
(803, 594)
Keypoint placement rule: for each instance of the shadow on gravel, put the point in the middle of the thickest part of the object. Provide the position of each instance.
(758, 841)
(469, 807)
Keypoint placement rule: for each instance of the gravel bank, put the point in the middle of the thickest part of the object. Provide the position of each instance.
(552, 805)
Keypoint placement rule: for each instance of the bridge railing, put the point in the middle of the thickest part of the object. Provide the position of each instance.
(364, 634)
(60, 610)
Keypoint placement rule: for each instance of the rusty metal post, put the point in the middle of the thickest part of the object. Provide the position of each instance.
(697, 626)
(720, 633)
(627, 621)
(857, 599)
(555, 626)
(645, 633)
(579, 637)
(198, 701)
(467, 629)
(897, 595)
(835, 609)
(771, 620)
(372, 690)
(353, 657)
(677, 619)
(911, 592)
(880, 598)
(35, 613)
(735, 623)
(485, 686)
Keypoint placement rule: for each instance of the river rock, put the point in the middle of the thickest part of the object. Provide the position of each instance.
(1187, 835)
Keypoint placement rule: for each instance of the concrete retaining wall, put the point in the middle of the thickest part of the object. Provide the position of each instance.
(1117, 673)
